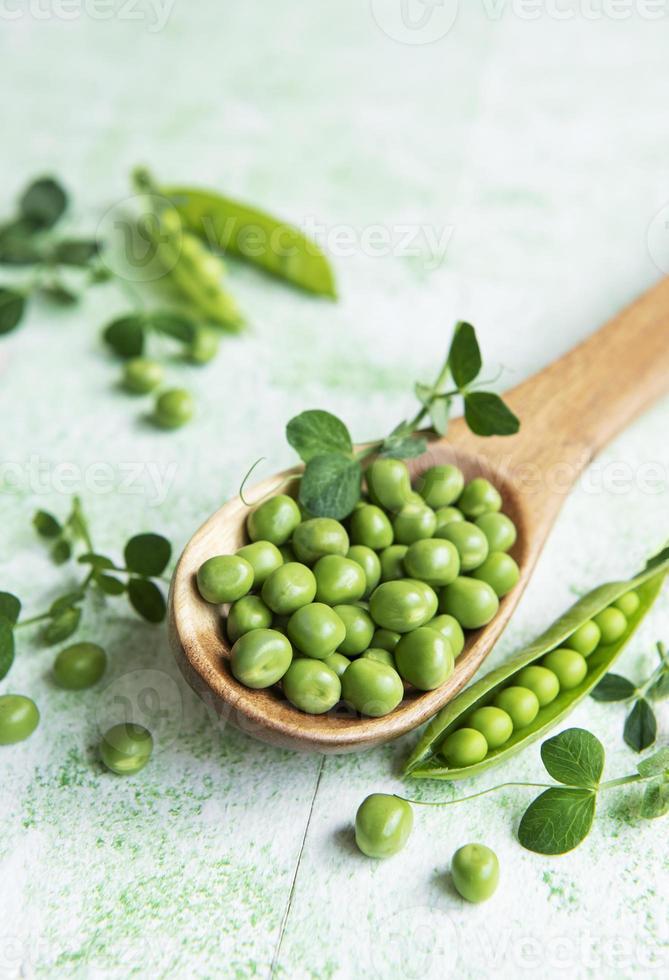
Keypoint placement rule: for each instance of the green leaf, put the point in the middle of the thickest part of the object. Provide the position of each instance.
(17, 243)
(655, 802)
(6, 646)
(656, 764)
(464, 358)
(147, 554)
(46, 525)
(424, 393)
(331, 485)
(44, 202)
(12, 308)
(10, 607)
(613, 687)
(97, 561)
(110, 585)
(77, 253)
(316, 433)
(146, 599)
(660, 689)
(125, 335)
(403, 447)
(61, 551)
(641, 726)
(58, 293)
(658, 559)
(574, 757)
(62, 626)
(440, 411)
(558, 820)
(65, 602)
(181, 328)
(487, 415)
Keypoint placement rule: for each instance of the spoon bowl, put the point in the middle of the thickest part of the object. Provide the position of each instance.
(568, 411)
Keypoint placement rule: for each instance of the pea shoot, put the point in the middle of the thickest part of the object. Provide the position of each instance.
(332, 479)
(640, 729)
(139, 578)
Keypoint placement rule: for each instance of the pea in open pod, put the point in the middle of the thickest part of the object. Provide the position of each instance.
(426, 762)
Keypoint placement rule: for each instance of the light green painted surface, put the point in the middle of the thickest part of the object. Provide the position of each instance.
(540, 147)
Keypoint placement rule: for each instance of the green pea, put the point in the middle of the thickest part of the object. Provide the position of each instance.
(441, 485)
(260, 658)
(337, 662)
(464, 747)
(494, 724)
(392, 562)
(248, 613)
(316, 630)
(126, 748)
(288, 588)
(369, 562)
(383, 825)
(339, 580)
(498, 529)
(470, 542)
(371, 527)
(628, 603)
(612, 625)
(317, 537)
(402, 606)
(569, 667)
(141, 375)
(263, 557)
(542, 681)
(359, 629)
(174, 408)
(479, 497)
(389, 483)
(204, 346)
(19, 718)
(380, 656)
(473, 603)
(450, 628)
(424, 658)
(521, 704)
(372, 688)
(500, 571)
(413, 523)
(446, 516)
(586, 638)
(385, 640)
(311, 686)
(224, 578)
(274, 520)
(79, 666)
(433, 561)
(475, 872)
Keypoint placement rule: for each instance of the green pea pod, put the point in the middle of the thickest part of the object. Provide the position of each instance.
(425, 762)
(278, 248)
(192, 269)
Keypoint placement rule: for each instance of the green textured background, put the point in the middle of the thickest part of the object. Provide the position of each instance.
(540, 148)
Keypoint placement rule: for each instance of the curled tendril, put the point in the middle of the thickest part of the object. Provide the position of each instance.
(246, 477)
(270, 493)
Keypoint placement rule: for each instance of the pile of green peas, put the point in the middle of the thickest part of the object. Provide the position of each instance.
(519, 701)
(355, 610)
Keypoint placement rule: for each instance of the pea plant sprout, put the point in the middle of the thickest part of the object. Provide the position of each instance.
(145, 558)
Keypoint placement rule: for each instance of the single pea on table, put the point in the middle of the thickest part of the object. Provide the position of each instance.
(389, 591)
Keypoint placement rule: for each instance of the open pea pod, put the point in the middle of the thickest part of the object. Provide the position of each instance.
(425, 762)
(266, 241)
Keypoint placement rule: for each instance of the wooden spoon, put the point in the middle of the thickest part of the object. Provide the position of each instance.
(569, 411)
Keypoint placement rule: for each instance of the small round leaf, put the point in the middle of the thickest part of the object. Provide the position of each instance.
(147, 554)
(147, 599)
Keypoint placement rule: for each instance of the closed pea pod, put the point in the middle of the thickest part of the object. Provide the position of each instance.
(499, 688)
